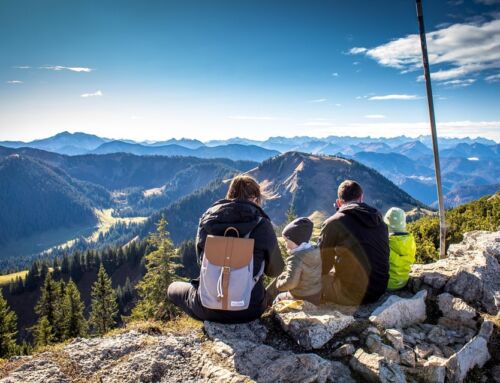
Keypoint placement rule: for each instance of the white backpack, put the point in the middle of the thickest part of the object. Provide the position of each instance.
(226, 278)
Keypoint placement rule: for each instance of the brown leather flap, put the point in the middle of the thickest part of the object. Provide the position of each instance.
(229, 251)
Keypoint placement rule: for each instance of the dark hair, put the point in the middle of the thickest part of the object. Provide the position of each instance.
(244, 187)
(349, 191)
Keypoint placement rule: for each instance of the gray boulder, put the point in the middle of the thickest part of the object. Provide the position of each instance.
(374, 368)
(313, 327)
(474, 353)
(400, 312)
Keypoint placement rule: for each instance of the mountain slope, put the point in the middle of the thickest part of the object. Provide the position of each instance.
(36, 197)
(306, 182)
(309, 183)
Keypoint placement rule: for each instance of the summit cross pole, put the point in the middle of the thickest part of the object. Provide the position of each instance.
(430, 103)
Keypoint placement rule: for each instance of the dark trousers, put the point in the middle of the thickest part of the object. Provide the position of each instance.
(185, 296)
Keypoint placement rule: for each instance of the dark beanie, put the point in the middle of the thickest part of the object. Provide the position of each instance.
(299, 230)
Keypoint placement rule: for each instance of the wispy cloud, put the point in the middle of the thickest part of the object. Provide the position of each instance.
(459, 83)
(318, 100)
(357, 50)
(14, 82)
(21, 67)
(253, 118)
(335, 74)
(375, 116)
(72, 69)
(493, 78)
(404, 97)
(460, 49)
(97, 93)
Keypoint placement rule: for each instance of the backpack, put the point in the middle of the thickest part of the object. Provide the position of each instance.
(226, 277)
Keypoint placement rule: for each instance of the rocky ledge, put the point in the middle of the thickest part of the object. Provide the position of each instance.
(443, 328)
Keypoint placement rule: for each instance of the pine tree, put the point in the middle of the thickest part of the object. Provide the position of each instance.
(159, 274)
(290, 214)
(104, 307)
(8, 329)
(65, 265)
(44, 334)
(49, 303)
(76, 271)
(74, 323)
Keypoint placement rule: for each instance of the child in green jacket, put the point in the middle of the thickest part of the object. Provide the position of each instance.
(402, 246)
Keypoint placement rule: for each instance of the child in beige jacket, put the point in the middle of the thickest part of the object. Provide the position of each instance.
(301, 278)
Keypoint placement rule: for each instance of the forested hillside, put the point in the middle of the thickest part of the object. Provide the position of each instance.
(36, 197)
(482, 214)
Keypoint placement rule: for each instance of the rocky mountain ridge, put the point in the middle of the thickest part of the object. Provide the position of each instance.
(433, 331)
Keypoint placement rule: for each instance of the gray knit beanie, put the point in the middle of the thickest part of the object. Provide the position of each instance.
(299, 230)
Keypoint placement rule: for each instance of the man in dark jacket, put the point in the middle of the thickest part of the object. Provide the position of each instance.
(354, 250)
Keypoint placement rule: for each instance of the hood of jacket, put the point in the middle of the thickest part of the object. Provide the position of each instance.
(365, 214)
(404, 245)
(241, 214)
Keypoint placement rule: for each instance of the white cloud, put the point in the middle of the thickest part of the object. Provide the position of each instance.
(357, 50)
(403, 97)
(97, 93)
(318, 100)
(254, 118)
(493, 78)
(21, 67)
(375, 116)
(458, 50)
(317, 123)
(460, 83)
(338, 105)
(15, 82)
(335, 74)
(72, 69)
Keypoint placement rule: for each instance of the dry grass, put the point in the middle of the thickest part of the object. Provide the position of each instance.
(181, 325)
(8, 278)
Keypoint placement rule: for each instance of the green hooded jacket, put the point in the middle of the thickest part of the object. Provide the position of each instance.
(402, 256)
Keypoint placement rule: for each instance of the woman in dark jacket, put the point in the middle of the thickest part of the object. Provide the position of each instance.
(241, 209)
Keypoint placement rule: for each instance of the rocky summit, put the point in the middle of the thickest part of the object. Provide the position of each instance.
(442, 328)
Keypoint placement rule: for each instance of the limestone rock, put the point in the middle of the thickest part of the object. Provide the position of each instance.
(474, 353)
(456, 309)
(408, 358)
(374, 368)
(470, 271)
(253, 331)
(395, 337)
(343, 351)
(313, 327)
(375, 345)
(340, 374)
(400, 312)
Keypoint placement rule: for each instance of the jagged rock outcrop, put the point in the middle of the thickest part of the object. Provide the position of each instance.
(470, 272)
(437, 335)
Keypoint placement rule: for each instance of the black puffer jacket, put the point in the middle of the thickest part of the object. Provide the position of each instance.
(244, 216)
(355, 241)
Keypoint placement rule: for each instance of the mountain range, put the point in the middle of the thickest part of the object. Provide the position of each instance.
(470, 166)
(46, 191)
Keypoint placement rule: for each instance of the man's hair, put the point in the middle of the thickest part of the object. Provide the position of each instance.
(244, 187)
(349, 190)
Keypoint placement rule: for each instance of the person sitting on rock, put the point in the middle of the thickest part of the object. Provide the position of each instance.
(239, 213)
(402, 246)
(354, 245)
(302, 276)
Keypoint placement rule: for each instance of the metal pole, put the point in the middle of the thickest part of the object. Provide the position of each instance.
(430, 103)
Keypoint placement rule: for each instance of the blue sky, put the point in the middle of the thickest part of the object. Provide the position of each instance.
(151, 70)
